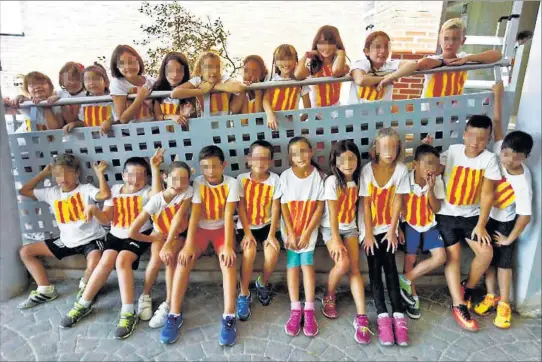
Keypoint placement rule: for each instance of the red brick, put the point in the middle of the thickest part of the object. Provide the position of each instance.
(409, 91)
(399, 97)
(400, 85)
(409, 56)
(413, 79)
(399, 39)
(416, 86)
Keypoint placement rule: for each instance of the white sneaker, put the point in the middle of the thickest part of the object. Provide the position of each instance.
(159, 318)
(144, 307)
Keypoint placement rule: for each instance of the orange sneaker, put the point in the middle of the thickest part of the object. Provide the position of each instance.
(487, 305)
(463, 318)
(504, 316)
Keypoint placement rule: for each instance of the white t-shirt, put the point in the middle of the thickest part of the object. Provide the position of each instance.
(62, 93)
(286, 98)
(360, 94)
(513, 195)
(69, 210)
(95, 114)
(126, 208)
(259, 197)
(162, 213)
(302, 197)
(214, 199)
(381, 197)
(444, 83)
(220, 102)
(26, 126)
(324, 95)
(463, 178)
(418, 212)
(346, 203)
(122, 87)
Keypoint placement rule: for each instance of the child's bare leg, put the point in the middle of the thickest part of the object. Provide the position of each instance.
(229, 282)
(180, 284)
(483, 255)
(126, 276)
(505, 281)
(410, 261)
(29, 255)
(438, 258)
(308, 282)
(271, 257)
(452, 272)
(247, 265)
(356, 281)
(491, 279)
(292, 277)
(99, 275)
(170, 270)
(336, 273)
(93, 258)
(153, 268)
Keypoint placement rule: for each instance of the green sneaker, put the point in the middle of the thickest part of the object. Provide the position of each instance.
(126, 325)
(74, 315)
(413, 311)
(35, 298)
(406, 290)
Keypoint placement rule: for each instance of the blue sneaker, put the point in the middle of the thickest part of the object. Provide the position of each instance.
(228, 334)
(170, 332)
(243, 307)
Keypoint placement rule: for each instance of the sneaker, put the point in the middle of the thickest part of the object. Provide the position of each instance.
(487, 305)
(126, 325)
(170, 332)
(462, 316)
(243, 307)
(144, 307)
(406, 290)
(228, 334)
(504, 316)
(159, 318)
(310, 326)
(293, 326)
(385, 329)
(363, 333)
(74, 315)
(329, 307)
(36, 298)
(413, 311)
(82, 286)
(263, 292)
(400, 327)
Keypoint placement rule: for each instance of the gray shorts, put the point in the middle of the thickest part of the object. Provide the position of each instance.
(345, 234)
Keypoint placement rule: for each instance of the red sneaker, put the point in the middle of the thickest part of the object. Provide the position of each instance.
(293, 326)
(329, 307)
(463, 318)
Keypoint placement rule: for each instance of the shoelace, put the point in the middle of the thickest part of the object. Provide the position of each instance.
(365, 330)
(464, 312)
(295, 315)
(402, 324)
(329, 301)
(504, 311)
(243, 301)
(229, 323)
(75, 311)
(125, 320)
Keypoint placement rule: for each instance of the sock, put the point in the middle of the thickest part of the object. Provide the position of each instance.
(383, 315)
(127, 308)
(84, 303)
(398, 315)
(225, 315)
(82, 284)
(46, 289)
(309, 305)
(244, 295)
(175, 315)
(415, 297)
(260, 281)
(295, 305)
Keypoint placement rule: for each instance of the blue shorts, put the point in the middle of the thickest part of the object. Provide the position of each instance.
(294, 260)
(431, 239)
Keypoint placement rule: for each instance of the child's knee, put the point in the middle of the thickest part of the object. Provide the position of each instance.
(249, 253)
(124, 262)
(343, 265)
(24, 252)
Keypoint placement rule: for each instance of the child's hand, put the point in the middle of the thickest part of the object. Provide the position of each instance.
(144, 92)
(303, 241)
(36, 100)
(180, 119)
(369, 243)
(14, 103)
(227, 257)
(291, 242)
(52, 99)
(206, 87)
(501, 239)
(428, 140)
(312, 53)
(480, 234)
(304, 117)
(391, 238)
(272, 121)
(247, 240)
(272, 242)
(158, 157)
(69, 127)
(340, 52)
(431, 180)
(105, 127)
(336, 250)
(186, 255)
(90, 211)
(498, 88)
(401, 237)
(166, 254)
(47, 169)
(387, 80)
(99, 167)
(456, 61)
(187, 110)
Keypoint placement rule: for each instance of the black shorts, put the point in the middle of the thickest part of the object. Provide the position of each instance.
(454, 229)
(134, 246)
(259, 234)
(502, 255)
(61, 251)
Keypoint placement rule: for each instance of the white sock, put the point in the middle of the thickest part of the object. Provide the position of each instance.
(127, 308)
(82, 284)
(84, 303)
(46, 289)
(398, 315)
(415, 297)
(175, 315)
(227, 315)
(383, 315)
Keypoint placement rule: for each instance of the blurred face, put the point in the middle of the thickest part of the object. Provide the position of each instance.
(66, 177)
(325, 48)
(210, 70)
(128, 65)
(94, 83)
(39, 89)
(174, 72)
(135, 177)
(427, 165)
(301, 154)
(510, 159)
(347, 163)
(450, 41)
(213, 169)
(72, 82)
(260, 160)
(476, 139)
(285, 65)
(386, 149)
(378, 51)
(178, 179)
(252, 72)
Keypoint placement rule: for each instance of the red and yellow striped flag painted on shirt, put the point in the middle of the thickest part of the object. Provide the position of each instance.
(214, 201)
(370, 93)
(301, 212)
(285, 99)
(162, 220)
(220, 102)
(381, 204)
(347, 204)
(504, 194)
(94, 115)
(418, 211)
(326, 94)
(259, 200)
(126, 210)
(464, 186)
(446, 84)
(70, 210)
(169, 109)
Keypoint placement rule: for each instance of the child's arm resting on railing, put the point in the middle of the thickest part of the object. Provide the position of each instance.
(230, 86)
(487, 57)
(406, 67)
(429, 63)
(188, 90)
(28, 189)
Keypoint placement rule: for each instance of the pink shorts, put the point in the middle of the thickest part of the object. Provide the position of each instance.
(204, 236)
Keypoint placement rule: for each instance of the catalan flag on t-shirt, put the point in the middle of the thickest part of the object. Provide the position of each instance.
(326, 94)
(259, 200)
(370, 93)
(163, 219)
(504, 194)
(220, 102)
(169, 109)
(285, 98)
(301, 213)
(214, 201)
(94, 115)
(464, 186)
(126, 210)
(381, 204)
(347, 204)
(69, 210)
(418, 211)
(446, 84)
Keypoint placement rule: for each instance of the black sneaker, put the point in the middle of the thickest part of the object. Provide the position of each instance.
(126, 325)
(74, 315)
(413, 311)
(36, 298)
(263, 292)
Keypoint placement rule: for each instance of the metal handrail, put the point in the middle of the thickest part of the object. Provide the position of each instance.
(270, 84)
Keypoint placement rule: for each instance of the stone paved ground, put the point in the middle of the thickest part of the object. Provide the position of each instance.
(34, 334)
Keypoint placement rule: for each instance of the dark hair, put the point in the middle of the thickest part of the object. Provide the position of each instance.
(119, 50)
(178, 164)
(519, 142)
(480, 121)
(425, 149)
(331, 35)
(264, 144)
(258, 60)
(72, 68)
(99, 69)
(211, 151)
(161, 83)
(137, 161)
(67, 160)
(36, 77)
(369, 40)
(524, 35)
(307, 142)
(338, 149)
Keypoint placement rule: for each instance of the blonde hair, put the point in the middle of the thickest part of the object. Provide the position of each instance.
(36, 77)
(199, 62)
(283, 51)
(382, 133)
(455, 23)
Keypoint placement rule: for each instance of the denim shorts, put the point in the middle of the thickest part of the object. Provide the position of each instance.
(431, 239)
(294, 260)
(345, 234)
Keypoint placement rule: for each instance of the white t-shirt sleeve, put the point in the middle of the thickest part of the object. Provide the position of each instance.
(493, 172)
(439, 189)
(320, 192)
(278, 191)
(196, 81)
(91, 190)
(283, 189)
(233, 195)
(403, 181)
(196, 199)
(46, 194)
(119, 87)
(362, 64)
(365, 180)
(153, 205)
(393, 65)
(330, 187)
(241, 187)
(444, 158)
(305, 90)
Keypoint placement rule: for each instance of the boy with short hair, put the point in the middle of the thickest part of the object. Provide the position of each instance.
(211, 220)
(259, 212)
(79, 233)
(510, 214)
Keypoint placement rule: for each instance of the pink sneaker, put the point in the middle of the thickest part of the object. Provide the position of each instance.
(385, 329)
(310, 327)
(363, 333)
(401, 329)
(329, 307)
(293, 326)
